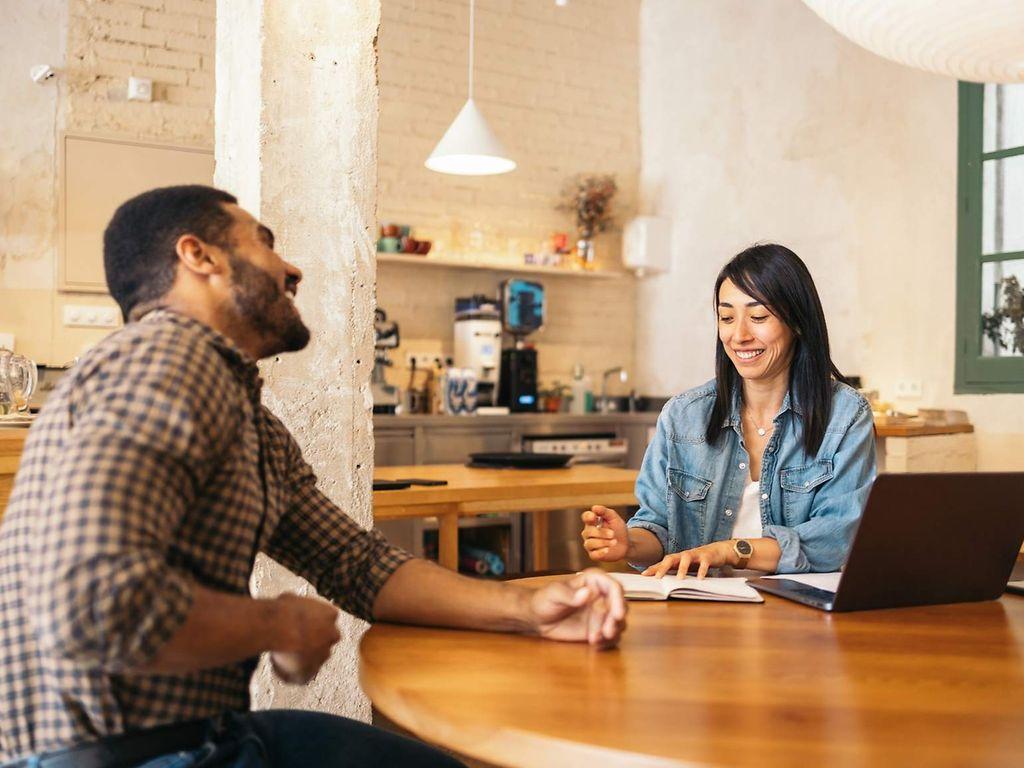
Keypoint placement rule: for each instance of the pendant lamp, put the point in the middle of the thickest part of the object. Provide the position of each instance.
(468, 147)
(980, 40)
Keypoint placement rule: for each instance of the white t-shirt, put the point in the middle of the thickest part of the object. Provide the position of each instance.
(748, 521)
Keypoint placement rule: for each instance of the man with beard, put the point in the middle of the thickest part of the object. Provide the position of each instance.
(149, 483)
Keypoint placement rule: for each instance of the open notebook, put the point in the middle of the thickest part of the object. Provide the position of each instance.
(733, 590)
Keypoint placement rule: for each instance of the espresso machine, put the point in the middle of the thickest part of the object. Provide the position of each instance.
(522, 313)
(386, 397)
(478, 344)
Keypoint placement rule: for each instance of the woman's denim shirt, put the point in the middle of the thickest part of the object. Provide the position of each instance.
(690, 491)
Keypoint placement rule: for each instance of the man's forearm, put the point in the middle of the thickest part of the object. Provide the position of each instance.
(420, 592)
(644, 547)
(221, 628)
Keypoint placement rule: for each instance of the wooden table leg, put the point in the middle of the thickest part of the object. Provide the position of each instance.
(448, 541)
(540, 541)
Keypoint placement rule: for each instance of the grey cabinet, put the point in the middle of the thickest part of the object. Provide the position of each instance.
(394, 448)
(402, 440)
(453, 446)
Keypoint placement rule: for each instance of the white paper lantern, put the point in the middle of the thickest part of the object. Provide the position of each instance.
(980, 40)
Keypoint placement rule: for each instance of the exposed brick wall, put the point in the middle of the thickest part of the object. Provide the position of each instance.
(559, 88)
(558, 85)
(168, 41)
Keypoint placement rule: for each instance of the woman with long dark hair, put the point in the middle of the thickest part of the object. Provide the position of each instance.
(769, 465)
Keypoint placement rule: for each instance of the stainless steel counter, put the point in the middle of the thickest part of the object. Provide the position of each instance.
(596, 421)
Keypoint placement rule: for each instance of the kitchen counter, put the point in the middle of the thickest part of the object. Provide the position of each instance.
(911, 428)
(595, 420)
(405, 440)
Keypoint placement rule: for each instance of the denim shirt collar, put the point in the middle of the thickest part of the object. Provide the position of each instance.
(733, 420)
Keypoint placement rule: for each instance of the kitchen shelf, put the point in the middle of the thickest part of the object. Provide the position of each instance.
(479, 521)
(532, 269)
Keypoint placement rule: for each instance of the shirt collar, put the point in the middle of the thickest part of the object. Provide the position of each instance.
(244, 367)
(733, 420)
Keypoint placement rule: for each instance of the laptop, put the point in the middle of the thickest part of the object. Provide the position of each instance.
(923, 539)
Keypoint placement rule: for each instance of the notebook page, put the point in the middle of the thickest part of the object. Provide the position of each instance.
(712, 588)
(641, 587)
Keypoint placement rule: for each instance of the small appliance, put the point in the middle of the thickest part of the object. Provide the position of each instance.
(386, 397)
(523, 312)
(478, 344)
(18, 376)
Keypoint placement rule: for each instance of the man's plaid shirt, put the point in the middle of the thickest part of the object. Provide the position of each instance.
(153, 467)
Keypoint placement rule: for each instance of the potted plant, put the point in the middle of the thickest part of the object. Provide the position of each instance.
(551, 398)
(1004, 326)
(588, 197)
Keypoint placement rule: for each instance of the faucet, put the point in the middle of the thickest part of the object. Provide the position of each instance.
(623, 377)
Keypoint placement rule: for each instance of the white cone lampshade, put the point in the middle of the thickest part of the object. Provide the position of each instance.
(980, 40)
(469, 148)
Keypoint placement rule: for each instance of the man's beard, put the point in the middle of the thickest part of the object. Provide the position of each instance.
(266, 309)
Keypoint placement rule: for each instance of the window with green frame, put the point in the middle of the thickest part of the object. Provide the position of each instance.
(990, 239)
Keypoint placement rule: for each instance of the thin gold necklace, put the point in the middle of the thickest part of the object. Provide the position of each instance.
(760, 430)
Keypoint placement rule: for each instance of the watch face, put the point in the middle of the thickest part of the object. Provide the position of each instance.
(744, 548)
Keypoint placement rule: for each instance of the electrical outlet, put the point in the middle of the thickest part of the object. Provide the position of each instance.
(140, 89)
(423, 360)
(908, 389)
(81, 316)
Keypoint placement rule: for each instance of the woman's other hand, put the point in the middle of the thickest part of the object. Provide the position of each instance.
(605, 536)
(713, 555)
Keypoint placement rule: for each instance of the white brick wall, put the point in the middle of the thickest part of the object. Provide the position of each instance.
(558, 85)
(559, 88)
(168, 41)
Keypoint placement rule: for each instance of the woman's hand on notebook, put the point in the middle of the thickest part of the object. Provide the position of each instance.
(713, 555)
(605, 536)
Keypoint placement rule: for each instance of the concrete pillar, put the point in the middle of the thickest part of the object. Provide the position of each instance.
(296, 141)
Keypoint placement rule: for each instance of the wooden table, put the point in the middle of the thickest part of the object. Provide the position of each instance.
(11, 443)
(777, 684)
(485, 491)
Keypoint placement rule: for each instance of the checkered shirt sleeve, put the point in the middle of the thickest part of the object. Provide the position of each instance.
(314, 538)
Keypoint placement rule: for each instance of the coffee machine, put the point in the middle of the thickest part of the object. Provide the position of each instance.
(478, 343)
(522, 312)
(386, 397)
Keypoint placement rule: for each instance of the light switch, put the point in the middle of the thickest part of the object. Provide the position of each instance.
(80, 316)
(7, 341)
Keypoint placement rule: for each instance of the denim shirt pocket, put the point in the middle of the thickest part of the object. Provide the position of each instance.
(799, 485)
(688, 508)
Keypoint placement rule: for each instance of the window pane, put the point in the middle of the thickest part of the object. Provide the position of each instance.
(1002, 308)
(1004, 116)
(1002, 208)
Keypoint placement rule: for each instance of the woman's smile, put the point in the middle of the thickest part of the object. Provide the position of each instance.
(746, 355)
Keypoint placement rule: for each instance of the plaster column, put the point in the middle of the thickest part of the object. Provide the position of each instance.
(296, 141)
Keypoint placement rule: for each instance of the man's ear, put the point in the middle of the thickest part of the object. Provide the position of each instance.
(198, 256)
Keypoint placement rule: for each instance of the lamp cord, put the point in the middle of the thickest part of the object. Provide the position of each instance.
(472, 6)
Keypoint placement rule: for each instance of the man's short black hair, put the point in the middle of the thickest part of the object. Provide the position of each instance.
(139, 255)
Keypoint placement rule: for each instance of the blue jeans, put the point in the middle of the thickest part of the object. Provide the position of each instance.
(287, 738)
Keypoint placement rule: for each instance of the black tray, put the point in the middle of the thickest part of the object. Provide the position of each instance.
(518, 460)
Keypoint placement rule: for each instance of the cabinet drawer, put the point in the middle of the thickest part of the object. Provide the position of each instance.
(453, 446)
(394, 448)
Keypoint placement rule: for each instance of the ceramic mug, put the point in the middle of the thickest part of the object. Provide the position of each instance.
(459, 391)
